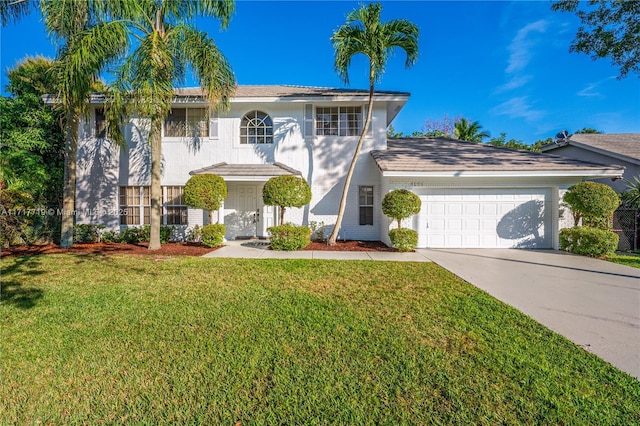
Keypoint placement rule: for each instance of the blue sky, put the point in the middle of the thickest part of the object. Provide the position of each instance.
(505, 64)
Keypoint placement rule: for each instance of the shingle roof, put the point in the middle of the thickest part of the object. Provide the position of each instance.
(285, 91)
(450, 155)
(619, 144)
(262, 170)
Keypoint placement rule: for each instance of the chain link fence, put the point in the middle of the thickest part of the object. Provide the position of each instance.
(625, 224)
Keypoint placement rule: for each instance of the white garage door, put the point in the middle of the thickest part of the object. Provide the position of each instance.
(485, 218)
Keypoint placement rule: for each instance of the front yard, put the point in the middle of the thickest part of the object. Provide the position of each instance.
(119, 339)
(625, 259)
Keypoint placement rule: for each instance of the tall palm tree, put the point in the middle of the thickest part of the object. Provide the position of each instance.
(465, 130)
(167, 45)
(364, 33)
(86, 48)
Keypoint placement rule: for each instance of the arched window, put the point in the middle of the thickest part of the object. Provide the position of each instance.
(256, 127)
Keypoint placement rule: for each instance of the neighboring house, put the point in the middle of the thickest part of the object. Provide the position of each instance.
(615, 148)
(474, 195)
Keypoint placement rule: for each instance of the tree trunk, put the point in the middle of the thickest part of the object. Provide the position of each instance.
(156, 189)
(69, 188)
(345, 192)
(282, 215)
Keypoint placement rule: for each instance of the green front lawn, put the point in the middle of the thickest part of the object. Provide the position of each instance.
(122, 339)
(625, 259)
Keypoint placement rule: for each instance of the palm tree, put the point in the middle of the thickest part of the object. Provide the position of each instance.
(465, 130)
(364, 33)
(86, 48)
(166, 46)
(14, 10)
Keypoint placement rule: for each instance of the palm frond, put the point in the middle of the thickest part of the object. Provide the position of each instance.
(211, 67)
(84, 57)
(364, 33)
(11, 11)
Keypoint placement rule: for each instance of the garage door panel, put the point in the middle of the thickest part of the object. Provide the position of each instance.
(472, 208)
(489, 209)
(454, 208)
(491, 218)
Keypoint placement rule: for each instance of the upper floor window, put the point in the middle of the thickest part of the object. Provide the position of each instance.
(338, 121)
(187, 122)
(256, 127)
(101, 124)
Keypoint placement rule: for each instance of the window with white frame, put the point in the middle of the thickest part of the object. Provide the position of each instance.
(365, 195)
(176, 210)
(339, 121)
(187, 122)
(256, 127)
(135, 205)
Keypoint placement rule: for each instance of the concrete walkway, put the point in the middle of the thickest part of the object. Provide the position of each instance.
(594, 303)
(253, 249)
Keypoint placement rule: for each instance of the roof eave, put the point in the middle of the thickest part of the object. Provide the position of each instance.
(590, 148)
(582, 173)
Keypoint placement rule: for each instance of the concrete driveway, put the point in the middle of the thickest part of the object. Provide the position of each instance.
(594, 303)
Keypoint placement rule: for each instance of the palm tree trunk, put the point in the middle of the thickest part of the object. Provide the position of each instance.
(345, 192)
(156, 189)
(69, 188)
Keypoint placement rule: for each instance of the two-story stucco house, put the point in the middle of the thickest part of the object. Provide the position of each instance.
(473, 195)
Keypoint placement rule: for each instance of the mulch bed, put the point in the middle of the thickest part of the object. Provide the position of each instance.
(171, 249)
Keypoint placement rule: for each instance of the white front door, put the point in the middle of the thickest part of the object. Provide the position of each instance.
(248, 215)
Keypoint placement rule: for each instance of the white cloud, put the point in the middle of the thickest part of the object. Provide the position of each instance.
(522, 44)
(521, 50)
(518, 107)
(514, 83)
(591, 89)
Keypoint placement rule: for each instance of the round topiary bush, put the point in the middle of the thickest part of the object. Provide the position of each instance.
(286, 191)
(588, 241)
(592, 202)
(206, 191)
(400, 204)
(404, 239)
(289, 237)
(213, 234)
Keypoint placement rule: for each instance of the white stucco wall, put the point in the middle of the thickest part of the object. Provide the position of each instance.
(322, 160)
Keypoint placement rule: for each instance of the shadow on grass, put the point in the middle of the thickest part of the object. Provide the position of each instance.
(17, 293)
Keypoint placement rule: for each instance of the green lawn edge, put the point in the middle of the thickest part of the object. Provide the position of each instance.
(117, 339)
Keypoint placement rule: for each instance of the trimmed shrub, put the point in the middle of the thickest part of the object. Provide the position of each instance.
(592, 202)
(289, 237)
(317, 231)
(194, 235)
(136, 234)
(206, 192)
(588, 241)
(87, 233)
(400, 204)
(213, 234)
(110, 237)
(286, 191)
(404, 239)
